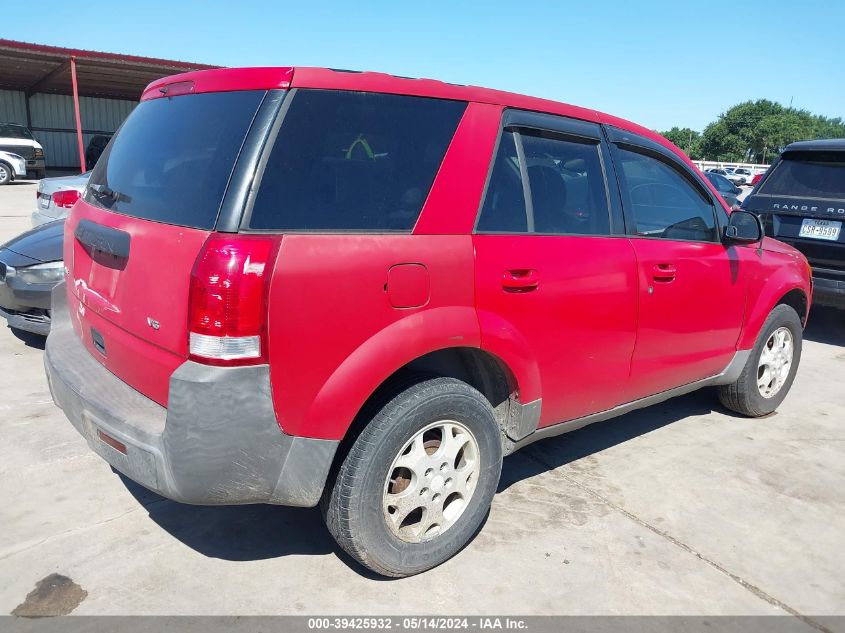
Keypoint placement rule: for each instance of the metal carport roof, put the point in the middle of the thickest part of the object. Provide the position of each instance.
(35, 68)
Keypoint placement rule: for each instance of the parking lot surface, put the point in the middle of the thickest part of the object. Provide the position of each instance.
(681, 508)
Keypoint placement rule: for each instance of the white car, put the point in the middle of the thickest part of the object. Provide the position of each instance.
(57, 195)
(745, 173)
(12, 166)
(17, 139)
(728, 172)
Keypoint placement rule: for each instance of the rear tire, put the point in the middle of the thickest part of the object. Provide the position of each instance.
(418, 481)
(766, 379)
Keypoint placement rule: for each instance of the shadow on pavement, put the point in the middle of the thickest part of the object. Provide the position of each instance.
(246, 532)
(238, 533)
(29, 339)
(554, 452)
(260, 532)
(826, 325)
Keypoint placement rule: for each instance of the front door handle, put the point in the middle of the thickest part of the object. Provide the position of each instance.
(520, 280)
(663, 273)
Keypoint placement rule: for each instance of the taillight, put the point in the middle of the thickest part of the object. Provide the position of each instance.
(228, 300)
(65, 198)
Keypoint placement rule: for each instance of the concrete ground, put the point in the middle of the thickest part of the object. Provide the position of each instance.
(681, 508)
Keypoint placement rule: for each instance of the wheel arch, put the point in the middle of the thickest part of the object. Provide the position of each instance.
(441, 341)
(792, 294)
(797, 300)
(11, 169)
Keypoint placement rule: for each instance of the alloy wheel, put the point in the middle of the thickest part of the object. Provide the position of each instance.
(431, 481)
(775, 362)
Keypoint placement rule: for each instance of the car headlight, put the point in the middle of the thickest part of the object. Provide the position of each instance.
(49, 273)
(39, 153)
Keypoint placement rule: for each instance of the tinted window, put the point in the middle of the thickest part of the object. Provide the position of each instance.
(810, 174)
(354, 161)
(504, 203)
(721, 183)
(568, 195)
(566, 183)
(172, 158)
(664, 203)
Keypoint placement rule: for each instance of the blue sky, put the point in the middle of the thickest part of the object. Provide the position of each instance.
(657, 62)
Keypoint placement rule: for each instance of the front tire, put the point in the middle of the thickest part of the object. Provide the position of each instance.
(418, 481)
(770, 369)
(5, 174)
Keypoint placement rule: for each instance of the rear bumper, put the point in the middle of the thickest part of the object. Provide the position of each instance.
(39, 218)
(36, 166)
(828, 291)
(217, 443)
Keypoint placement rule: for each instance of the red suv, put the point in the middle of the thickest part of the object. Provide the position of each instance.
(303, 286)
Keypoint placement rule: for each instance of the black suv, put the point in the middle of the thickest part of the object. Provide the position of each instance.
(801, 200)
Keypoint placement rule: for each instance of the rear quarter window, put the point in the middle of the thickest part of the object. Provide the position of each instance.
(353, 161)
(808, 174)
(172, 158)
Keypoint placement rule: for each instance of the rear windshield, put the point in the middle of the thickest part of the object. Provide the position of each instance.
(172, 158)
(353, 161)
(808, 174)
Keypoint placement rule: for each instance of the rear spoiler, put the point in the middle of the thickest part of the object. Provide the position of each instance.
(219, 80)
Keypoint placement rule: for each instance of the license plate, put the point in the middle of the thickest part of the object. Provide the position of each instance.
(820, 229)
(44, 201)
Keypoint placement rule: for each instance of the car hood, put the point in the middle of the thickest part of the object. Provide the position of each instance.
(19, 142)
(43, 243)
(776, 246)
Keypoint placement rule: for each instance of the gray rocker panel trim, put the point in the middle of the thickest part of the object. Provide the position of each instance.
(727, 376)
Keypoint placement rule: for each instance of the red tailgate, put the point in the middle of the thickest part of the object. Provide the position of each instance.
(137, 304)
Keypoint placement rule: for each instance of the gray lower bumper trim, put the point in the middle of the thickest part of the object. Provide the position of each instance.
(217, 443)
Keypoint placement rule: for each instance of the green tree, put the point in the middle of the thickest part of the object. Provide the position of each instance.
(686, 139)
(756, 131)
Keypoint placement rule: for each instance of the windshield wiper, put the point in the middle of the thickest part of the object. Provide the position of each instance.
(108, 192)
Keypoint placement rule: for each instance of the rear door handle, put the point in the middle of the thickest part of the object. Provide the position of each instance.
(663, 273)
(520, 280)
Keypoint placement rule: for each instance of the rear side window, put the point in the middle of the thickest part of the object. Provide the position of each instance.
(664, 203)
(353, 161)
(504, 208)
(172, 158)
(808, 174)
(568, 196)
(566, 187)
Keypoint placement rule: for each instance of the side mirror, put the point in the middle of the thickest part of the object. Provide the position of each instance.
(743, 228)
